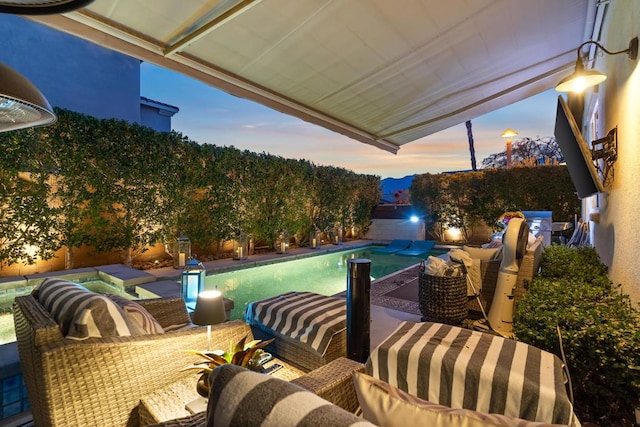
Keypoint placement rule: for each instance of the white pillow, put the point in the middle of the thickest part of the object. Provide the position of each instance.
(385, 405)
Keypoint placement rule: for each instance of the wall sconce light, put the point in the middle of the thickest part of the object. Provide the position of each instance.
(39, 7)
(583, 78)
(22, 105)
(193, 277)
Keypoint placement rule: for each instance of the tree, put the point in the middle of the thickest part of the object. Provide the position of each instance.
(528, 152)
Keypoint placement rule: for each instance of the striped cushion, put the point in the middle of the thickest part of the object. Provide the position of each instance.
(138, 314)
(384, 405)
(240, 397)
(81, 313)
(310, 318)
(460, 368)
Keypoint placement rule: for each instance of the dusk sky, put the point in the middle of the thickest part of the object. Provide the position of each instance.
(209, 115)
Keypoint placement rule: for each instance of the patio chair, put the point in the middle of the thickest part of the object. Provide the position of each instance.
(99, 381)
(393, 247)
(418, 248)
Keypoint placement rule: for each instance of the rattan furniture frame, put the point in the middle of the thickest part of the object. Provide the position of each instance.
(333, 382)
(300, 354)
(100, 381)
(169, 402)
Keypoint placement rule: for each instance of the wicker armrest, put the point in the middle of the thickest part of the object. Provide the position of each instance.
(334, 382)
(169, 311)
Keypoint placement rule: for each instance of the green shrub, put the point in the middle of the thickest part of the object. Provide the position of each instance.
(600, 333)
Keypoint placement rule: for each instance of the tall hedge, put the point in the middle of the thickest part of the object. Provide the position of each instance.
(600, 331)
(467, 199)
(117, 186)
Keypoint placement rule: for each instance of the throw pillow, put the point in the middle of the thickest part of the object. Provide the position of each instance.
(81, 313)
(386, 405)
(147, 324)
(240, 397)
(483, 254)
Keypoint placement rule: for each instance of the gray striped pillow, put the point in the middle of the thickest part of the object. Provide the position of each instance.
(81, 313)
(138, 315)
(240, 397)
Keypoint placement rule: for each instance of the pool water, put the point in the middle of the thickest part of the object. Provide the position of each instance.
(7, 330)
(323, 274)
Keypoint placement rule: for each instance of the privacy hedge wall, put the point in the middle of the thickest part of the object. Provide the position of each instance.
(116, 186)
(468, 199)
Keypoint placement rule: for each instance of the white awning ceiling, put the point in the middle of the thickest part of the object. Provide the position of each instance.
(383, 72)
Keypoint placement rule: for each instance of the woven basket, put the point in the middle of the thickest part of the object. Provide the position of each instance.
(443, 299)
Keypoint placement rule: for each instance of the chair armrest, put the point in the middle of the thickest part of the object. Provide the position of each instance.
(167, 311)
(334, 382)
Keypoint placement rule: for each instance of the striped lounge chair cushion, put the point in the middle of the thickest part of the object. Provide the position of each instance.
(460, 368)
(304, 316)
(240, 397)
(83, 314)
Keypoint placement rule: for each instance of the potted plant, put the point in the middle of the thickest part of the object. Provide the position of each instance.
(246, 354)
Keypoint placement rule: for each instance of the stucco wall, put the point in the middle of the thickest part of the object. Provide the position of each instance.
(617, 235)
(71, 72)
(389, 229)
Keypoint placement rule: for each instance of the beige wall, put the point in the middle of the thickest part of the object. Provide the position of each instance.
(389, 229)
(617, 235)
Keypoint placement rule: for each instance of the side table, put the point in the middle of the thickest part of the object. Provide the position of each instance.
(169, 402)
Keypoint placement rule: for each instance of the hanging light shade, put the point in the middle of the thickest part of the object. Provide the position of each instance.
(21, 103)
(41, 7)
(581, 78)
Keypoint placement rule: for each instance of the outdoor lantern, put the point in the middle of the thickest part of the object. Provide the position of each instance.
(182, 252)
(314, 239)
(282, 242)
(337, 235)
(241, 246)
(193, 277)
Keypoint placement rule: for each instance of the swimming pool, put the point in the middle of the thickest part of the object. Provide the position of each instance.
(322, 274)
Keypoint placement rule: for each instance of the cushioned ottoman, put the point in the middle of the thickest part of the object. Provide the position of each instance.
(310, 329)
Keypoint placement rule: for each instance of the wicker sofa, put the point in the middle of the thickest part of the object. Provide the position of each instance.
(99, 381)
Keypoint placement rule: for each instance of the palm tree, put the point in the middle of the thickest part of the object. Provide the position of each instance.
(472, 149)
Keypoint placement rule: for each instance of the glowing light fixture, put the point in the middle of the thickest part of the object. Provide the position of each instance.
(414, 218)
(508, 134)
(22, 105)
(209, 311)
(41, 7)
(583, 78)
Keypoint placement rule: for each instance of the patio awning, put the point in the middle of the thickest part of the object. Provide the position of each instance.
(383, 72)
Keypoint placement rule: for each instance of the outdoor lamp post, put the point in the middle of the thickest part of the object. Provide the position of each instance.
(508, 134)
(282, 242)
(193, 277)
(182, 252)
(240, 247)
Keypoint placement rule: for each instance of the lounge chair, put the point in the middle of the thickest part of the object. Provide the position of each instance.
(393, 247)
(418, 248)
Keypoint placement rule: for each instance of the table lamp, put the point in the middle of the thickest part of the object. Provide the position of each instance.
(209, 311)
